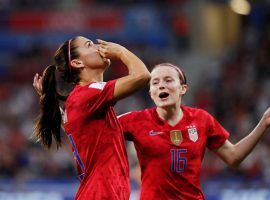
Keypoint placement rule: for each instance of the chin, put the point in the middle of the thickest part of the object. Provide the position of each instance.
(107, 62)
(102, 65)
(165, 104)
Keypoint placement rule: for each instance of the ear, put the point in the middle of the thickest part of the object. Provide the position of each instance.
(183, 89)
(76, 63)
(150, 94)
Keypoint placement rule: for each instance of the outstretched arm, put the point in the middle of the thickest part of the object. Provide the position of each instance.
(234, 154)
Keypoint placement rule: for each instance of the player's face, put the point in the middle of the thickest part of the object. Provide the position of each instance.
(88, 53)
(165, 87)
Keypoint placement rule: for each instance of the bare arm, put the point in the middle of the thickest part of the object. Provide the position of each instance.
(234, 154)
(138, 75)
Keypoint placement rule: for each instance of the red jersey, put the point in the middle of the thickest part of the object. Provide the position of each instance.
(170, 156)
(97, 142)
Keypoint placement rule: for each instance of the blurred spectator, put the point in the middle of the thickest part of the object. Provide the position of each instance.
(237, 96)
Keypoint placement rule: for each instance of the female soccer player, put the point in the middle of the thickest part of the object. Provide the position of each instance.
(74, 85)
(171, 139)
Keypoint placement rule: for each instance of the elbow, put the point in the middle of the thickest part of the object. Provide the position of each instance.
(234, 165)
(143, 78)
(146, 77)
(233, 162)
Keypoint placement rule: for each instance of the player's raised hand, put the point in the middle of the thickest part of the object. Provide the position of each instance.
(265, 121)
(37, 83)
(110, 50)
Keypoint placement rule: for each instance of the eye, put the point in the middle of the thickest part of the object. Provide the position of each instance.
(169, 80)
(90, 43)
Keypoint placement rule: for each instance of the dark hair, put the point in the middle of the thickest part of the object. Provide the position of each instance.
(58, 81)
(182, 76)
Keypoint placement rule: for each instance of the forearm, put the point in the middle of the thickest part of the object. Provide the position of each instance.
(133, 63)
(247, 144)
(138, 75)
(234, 154)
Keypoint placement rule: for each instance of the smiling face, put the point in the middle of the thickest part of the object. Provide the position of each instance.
(88, 54)
(165, 87)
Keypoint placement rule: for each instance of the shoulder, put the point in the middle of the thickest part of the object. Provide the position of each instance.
(101, 85)
(140, 114)
(91, 89)
(97, 85)
(194, 112)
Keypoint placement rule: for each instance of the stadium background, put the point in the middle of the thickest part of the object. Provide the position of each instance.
(226, 57)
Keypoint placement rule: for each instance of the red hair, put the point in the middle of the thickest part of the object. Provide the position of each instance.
(182, 76)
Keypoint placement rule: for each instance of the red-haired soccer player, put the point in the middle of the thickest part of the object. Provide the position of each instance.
(171, 139)
(75, 84)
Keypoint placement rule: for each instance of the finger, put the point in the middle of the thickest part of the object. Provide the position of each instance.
(101, 41)
(103, 46)
(101, 53)
(108, 62)
(39, 79)
(35, 79)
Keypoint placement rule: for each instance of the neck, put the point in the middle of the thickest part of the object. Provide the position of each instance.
(172, 115)
(90, 75)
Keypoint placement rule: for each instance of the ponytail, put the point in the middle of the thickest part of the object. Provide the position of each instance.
(48, 122)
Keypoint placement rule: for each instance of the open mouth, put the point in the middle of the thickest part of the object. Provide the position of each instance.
(163, 95)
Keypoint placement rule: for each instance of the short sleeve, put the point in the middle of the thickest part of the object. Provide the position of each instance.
(217, 135)
(103, 95)
(125, 122)
(96, 96)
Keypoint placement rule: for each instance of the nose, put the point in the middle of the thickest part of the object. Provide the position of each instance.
(161, 87)
(96, 47)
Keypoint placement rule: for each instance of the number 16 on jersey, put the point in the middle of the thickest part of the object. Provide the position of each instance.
(178, 160)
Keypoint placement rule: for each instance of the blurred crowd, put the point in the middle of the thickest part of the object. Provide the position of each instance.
(237, 96)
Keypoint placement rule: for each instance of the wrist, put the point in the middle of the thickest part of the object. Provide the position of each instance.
(122, 53)
(262, 124)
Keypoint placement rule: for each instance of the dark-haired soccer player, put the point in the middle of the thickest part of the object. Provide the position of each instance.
(75, 83)
(171, 139)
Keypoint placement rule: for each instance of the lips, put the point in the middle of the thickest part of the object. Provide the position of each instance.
(163, 95)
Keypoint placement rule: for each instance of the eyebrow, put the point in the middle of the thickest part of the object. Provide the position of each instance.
(154, 79)
(168, 77)
(162, 78)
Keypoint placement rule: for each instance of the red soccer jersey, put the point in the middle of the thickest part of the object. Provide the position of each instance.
(97, 142)
(170, 156)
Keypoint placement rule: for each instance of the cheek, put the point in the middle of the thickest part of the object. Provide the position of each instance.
(153, 91)
(174, 88)
(95, 60)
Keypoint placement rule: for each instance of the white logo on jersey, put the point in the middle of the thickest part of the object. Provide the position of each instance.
(192, 133)
(97, 85)
(152, 132)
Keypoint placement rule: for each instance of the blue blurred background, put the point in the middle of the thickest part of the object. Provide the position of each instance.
(222, 45)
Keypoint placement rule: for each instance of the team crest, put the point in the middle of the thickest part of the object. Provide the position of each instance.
(192, 133)
(176, 137)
